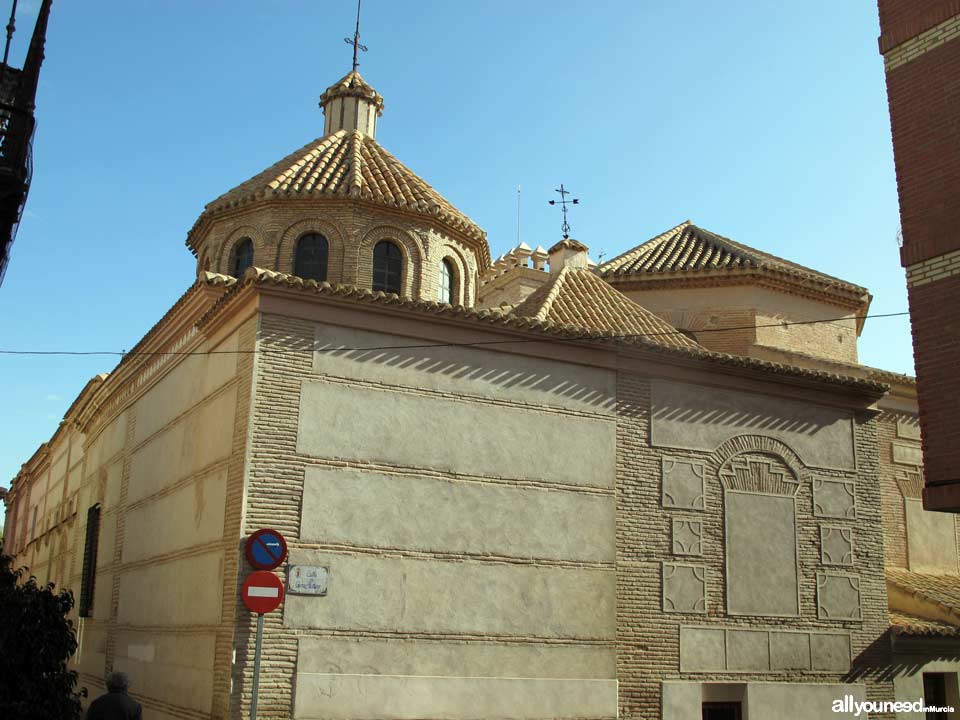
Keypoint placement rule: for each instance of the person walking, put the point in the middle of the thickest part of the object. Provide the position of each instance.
(115, 704)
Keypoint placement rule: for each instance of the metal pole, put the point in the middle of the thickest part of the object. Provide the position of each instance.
(256, 668)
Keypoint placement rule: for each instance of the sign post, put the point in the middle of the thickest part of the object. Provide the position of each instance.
(256, 668)
(262, 591)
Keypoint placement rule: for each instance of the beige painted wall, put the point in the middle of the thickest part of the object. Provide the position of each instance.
(462, 501)
(908, 686)
(156, 466)
(453, 435)
(697, 418)
(760, 700)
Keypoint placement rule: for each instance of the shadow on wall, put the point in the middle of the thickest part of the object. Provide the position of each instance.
(741, 419)
(514, 374)
(880, 663)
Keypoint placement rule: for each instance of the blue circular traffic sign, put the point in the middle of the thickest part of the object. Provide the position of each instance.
(266, 549)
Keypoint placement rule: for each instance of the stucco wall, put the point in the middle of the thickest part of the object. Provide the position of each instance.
(462, 500)
(914, 538)
(161, 463)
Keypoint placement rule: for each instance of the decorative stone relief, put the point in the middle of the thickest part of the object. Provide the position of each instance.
(687, 537)
(907, 454)
(790, 651)
(718, 649)
(683, 484)
(748, 650)
(908, 427)
(910, 483)
(834, 498)
(836, 545)
(756, 473)
(838, 597)
(684, 588)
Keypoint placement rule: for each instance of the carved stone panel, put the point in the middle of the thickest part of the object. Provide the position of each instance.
(687, 537)
(702, 649)
(790, 651)
(830, 653)
(748, 650)
(683, 484)
(908, 427)
(907, 454)
(838, 597)
(718, 648)
(761, 554)
(834, 498)
(836, 545)
(684, 588)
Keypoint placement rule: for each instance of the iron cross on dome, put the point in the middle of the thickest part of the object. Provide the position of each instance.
(563, 202)
(356, 40)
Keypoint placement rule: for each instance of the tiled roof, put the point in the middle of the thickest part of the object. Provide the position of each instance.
(352, 85)
(940, 589)
(576, 296)
(350, 165)
(547, 328)
(691, 249)
(904, 624)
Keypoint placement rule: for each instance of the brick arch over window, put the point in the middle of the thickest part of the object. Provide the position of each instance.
(223, 263)
(761, 478)
(758, 445)
(463, 287)
(336, 243)
(410, 247)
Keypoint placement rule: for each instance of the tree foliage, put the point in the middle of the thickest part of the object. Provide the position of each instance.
(36, 641)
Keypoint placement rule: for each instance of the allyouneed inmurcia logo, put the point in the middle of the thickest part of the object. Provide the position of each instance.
(859, 708)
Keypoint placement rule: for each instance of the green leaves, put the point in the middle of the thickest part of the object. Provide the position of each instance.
(36, 641)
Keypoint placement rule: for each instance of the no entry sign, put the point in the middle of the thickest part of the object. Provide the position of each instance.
(266, 549)
(262, 592)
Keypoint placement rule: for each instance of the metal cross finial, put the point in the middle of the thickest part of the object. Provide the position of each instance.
(563, 202)
(356, 40)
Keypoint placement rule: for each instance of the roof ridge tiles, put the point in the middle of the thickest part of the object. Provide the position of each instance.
(344, 163)
(688, 248)
(559, 329)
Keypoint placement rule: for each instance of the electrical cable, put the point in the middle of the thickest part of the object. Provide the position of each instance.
(585, 336)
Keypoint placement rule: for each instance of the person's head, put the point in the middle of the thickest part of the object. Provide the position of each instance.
(117, 682)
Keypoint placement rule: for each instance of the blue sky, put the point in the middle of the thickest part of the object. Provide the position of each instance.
(764, 122)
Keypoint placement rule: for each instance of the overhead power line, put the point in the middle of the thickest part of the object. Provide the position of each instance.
(573, 338)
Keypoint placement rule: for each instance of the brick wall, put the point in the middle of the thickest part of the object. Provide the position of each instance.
(275, 496)
(920, 42)
(936, 338)
(648, 638)
(351, 232)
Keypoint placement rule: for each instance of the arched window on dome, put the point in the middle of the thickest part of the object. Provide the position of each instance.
(242, 257)
(447, 283)
(310, 259)
(387, 267)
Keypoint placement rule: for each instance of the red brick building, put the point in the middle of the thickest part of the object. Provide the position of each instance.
(920, 44)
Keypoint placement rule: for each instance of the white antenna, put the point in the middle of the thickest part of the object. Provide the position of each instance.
(518, 215)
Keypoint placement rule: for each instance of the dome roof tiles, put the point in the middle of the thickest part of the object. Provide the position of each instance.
(349, 165)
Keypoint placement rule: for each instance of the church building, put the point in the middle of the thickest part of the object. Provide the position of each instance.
(659, 488)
